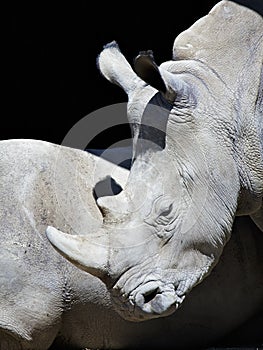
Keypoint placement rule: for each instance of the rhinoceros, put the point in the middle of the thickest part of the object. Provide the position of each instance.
(174, 259)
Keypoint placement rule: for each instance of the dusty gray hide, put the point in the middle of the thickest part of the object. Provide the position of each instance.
(180, 225)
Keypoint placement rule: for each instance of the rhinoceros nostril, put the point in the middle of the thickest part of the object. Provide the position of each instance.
(150, 295)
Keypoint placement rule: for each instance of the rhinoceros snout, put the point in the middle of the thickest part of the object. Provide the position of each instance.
(150, 295)
(157, 300)
(149, 300)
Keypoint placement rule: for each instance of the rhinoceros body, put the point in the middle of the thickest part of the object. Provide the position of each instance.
(176, 248)
(44, 297)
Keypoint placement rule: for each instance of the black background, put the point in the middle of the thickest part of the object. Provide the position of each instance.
(52, 50)
(52, 58)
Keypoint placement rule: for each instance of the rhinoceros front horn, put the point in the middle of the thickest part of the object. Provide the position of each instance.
(90, 255)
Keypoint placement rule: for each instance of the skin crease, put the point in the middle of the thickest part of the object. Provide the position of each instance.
(170, 228)
(69, 303)
(193, 272)
(204, 142)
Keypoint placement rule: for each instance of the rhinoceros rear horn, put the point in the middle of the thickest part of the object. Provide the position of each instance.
(171, 85)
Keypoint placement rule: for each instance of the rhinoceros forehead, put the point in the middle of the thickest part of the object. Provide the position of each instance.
(227, 40)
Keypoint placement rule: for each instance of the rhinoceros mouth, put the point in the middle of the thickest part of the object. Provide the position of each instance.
(152, 299)
(143, 292)
(157, 299)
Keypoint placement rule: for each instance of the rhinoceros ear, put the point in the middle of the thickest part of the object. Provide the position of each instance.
(114, 66)
(147, 70)
(168, 83)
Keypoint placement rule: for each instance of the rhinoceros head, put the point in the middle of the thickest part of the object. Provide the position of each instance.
(166, 230)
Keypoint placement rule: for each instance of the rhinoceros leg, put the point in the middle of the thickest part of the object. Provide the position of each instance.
(14, 338)
(30, 314)
(8, 342)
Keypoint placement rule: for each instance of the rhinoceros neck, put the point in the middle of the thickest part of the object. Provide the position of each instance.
(249, 140)
(233, 49)
(259, 111)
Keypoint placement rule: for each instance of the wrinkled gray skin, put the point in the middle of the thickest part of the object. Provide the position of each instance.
(198, 162)
(44, 297)
(167, 230)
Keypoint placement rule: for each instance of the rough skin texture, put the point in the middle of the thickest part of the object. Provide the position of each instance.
(177, 235)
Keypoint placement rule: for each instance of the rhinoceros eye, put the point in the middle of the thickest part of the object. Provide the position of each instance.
(165, 213)
(167, 210)
(163, 217)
